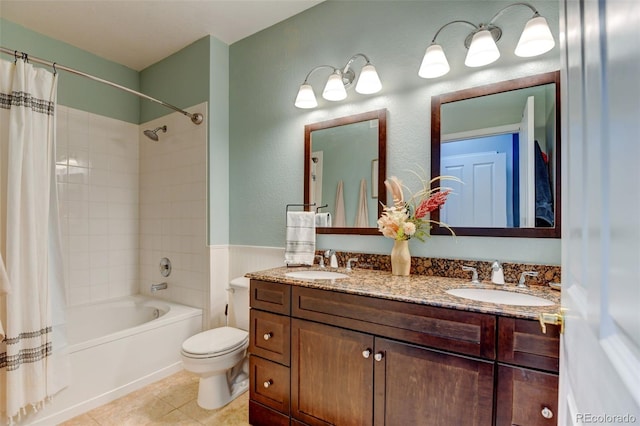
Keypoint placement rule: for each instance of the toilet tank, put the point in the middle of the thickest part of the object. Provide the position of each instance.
(239, 303)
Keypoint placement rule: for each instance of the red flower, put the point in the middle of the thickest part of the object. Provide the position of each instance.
(431, 203)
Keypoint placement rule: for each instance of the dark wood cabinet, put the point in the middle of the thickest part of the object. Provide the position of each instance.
(331, 375)
(359, 360)
(420, 386)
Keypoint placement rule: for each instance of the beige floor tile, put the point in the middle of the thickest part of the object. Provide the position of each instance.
(175, 417)
(81, 420)
(178, 394)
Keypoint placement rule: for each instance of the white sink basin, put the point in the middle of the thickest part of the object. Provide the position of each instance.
(316, 275)
(499, 296)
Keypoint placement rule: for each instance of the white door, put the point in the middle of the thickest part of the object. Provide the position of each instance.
(600, 348)
(527, 175)
(481, 200)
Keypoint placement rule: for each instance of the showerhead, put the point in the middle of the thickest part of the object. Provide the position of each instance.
(153, 134)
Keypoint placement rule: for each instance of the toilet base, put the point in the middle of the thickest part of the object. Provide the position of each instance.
(216, 391)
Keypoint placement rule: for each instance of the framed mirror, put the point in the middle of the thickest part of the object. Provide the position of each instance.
(344, 172)
(503, 142)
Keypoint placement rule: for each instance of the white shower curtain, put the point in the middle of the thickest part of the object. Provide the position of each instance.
(32, 353)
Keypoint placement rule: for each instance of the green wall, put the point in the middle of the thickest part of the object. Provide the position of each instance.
(266, 130)
(75, 91)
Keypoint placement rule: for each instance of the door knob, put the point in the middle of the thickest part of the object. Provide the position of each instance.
(378, 357)
(267, 336)
(366, 353)
(554, 319)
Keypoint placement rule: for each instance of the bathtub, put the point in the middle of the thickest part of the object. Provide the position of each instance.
(116, 347)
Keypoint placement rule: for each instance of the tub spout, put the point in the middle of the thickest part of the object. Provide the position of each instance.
(156, 287)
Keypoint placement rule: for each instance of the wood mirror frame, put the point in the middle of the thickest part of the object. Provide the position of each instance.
(505, 86)
(381, 116)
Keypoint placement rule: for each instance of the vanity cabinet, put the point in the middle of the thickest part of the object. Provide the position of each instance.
(359, 360)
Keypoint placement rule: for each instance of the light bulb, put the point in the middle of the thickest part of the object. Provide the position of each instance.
(334, 89)
(368, 82)
(434, 64)
(306, 98)
(535, 39)
(482, 51)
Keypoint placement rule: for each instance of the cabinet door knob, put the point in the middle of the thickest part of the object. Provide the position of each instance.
(267, 383)
(366, 353)
(547, 413)
(378, 356)
(268, 335)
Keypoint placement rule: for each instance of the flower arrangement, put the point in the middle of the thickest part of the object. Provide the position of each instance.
(407, 219)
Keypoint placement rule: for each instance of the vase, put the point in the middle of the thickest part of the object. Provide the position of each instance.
(400, 258)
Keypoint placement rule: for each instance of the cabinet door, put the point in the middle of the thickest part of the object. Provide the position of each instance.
(418, 386)
(526, 397)
(331, 379)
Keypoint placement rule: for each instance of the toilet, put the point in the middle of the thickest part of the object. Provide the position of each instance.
(219, 355)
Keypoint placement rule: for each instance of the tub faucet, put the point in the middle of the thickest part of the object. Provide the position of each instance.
(156, 287)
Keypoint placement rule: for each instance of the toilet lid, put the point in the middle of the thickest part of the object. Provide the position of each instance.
(217, 341)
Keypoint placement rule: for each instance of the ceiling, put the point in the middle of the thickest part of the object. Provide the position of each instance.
(139, 33)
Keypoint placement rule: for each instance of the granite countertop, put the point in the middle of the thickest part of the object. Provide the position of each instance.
(419, 289)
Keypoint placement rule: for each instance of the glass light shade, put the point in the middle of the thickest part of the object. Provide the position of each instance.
(306, 98)
(368, 82)
(434, 64)
(482, 51)
(535, 39)
(334, 89)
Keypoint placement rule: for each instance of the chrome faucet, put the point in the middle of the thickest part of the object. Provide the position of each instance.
(497, 273)
(474, 276)
(353, 259)
(521, 283)
(160, 286)
(321, 261)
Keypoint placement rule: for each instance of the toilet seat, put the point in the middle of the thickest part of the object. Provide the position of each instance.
(215, 342)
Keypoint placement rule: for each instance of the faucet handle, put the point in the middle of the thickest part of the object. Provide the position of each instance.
(521, 283)
(474, 277)
(353, 259)
(321, 262)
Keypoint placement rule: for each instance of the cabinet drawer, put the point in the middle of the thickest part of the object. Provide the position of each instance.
(269, 384)
(468, 333)
(270, 336)
(271, 297)
(522, 342)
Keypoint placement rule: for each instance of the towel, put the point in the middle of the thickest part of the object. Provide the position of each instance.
(323, 220)
(340, 219)
(362, 214)
(300, 246)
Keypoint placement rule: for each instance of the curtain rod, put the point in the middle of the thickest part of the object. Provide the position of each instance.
(196, 118)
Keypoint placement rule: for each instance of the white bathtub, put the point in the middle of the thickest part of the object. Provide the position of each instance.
(116, 347)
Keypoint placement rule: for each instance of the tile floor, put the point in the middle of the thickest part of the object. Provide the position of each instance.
(171, 401)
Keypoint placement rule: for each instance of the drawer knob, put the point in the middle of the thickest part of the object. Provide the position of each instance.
(366, 353)
(267, 383)
(378, 357)
(547, 413)
(267, 336)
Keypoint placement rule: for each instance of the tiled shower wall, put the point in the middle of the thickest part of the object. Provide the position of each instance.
(173, 174)
(97, 174)
(126, 202)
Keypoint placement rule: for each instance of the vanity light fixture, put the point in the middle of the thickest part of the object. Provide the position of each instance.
(536, 39)
(339, 81)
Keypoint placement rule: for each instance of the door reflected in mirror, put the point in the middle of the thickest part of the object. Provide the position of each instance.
(345, 164)
(503, 142)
